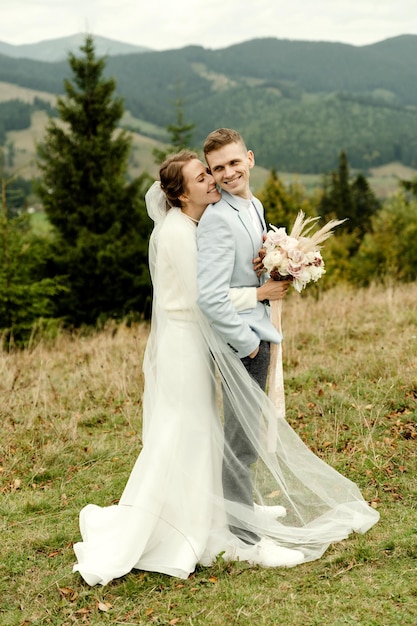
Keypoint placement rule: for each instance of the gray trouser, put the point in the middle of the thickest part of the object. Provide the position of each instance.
(239, 453)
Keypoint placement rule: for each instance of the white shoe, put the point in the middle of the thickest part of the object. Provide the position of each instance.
(267, 554)
(271, 511)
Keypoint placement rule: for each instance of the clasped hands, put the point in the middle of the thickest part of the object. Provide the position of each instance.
(271, 289)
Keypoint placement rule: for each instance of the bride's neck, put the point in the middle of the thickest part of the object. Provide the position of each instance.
(193, 213)
(191, 217)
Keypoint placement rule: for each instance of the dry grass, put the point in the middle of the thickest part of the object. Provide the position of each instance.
(70, 432)
(385, 178)
(353, 360)
(24, 145)
(10, 91)
(49, 391)
(25, 142)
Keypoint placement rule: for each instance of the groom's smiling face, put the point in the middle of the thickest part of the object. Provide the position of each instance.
(230, 166)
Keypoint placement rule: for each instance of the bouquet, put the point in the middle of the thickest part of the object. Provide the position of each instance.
(296, 257)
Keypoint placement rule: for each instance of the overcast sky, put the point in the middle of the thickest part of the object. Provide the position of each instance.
(167, 24)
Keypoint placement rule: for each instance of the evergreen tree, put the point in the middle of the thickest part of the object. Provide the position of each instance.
(344, 195)
(329, 201)
(364, 204)
(282, 203)
(410, 185)
(25, 294)
(11, 153)
(352, 199)
(180, 133)
(99, 218)
(337, 198)
(388, 252)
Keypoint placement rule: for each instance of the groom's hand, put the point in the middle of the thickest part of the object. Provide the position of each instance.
(258, 264)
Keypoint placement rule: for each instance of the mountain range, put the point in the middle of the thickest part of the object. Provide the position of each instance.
(53, 50)
(297, 103)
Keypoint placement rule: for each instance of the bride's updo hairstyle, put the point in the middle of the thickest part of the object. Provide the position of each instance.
(171, 176)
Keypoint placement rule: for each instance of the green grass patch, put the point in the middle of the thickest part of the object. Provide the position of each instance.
(70, 433)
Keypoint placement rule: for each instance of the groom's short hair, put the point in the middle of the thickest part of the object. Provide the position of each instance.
(222, 137)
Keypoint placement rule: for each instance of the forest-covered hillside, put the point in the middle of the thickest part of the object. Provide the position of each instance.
(298, 104)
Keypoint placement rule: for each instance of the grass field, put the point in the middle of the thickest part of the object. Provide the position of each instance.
(70, 432)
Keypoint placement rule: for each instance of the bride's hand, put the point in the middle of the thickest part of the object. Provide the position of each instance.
(272, 290)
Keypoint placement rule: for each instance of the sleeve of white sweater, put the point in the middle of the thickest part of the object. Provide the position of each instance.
(243, 297)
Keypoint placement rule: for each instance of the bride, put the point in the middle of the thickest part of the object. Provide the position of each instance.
(172, 513)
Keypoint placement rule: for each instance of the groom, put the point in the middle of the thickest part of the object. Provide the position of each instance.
(229, 236)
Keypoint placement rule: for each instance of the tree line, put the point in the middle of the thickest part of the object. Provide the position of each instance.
(15, 114)
(90, 264)
(297, 103)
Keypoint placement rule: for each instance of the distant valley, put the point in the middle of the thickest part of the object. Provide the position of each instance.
(298, 104)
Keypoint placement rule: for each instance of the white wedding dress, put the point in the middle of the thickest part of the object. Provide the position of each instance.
(172, 514)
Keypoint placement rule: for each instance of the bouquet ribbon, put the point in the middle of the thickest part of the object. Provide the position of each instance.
(276, 378)
(293, 257)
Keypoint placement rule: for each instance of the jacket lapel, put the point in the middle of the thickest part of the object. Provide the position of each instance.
(259, 209)
(245, 218)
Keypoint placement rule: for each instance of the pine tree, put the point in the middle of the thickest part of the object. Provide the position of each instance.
(329, 201)
(345, 198)
(99, 218)
(180, 132)
(410, 185)
(25, 294)
(343, 190)
(282, 203)
(365, 204)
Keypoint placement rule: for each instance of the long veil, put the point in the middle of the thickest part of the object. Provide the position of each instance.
(173, 513)
(322, 505)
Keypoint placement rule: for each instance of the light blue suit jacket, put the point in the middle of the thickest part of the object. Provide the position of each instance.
(227, 243)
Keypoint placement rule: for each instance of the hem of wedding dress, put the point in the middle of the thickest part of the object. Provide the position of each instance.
(160, 569)
(92, 579)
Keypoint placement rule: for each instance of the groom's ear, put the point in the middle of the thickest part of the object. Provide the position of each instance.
(251, 158)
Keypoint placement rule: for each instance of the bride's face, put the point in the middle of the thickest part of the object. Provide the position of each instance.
(200, 187)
